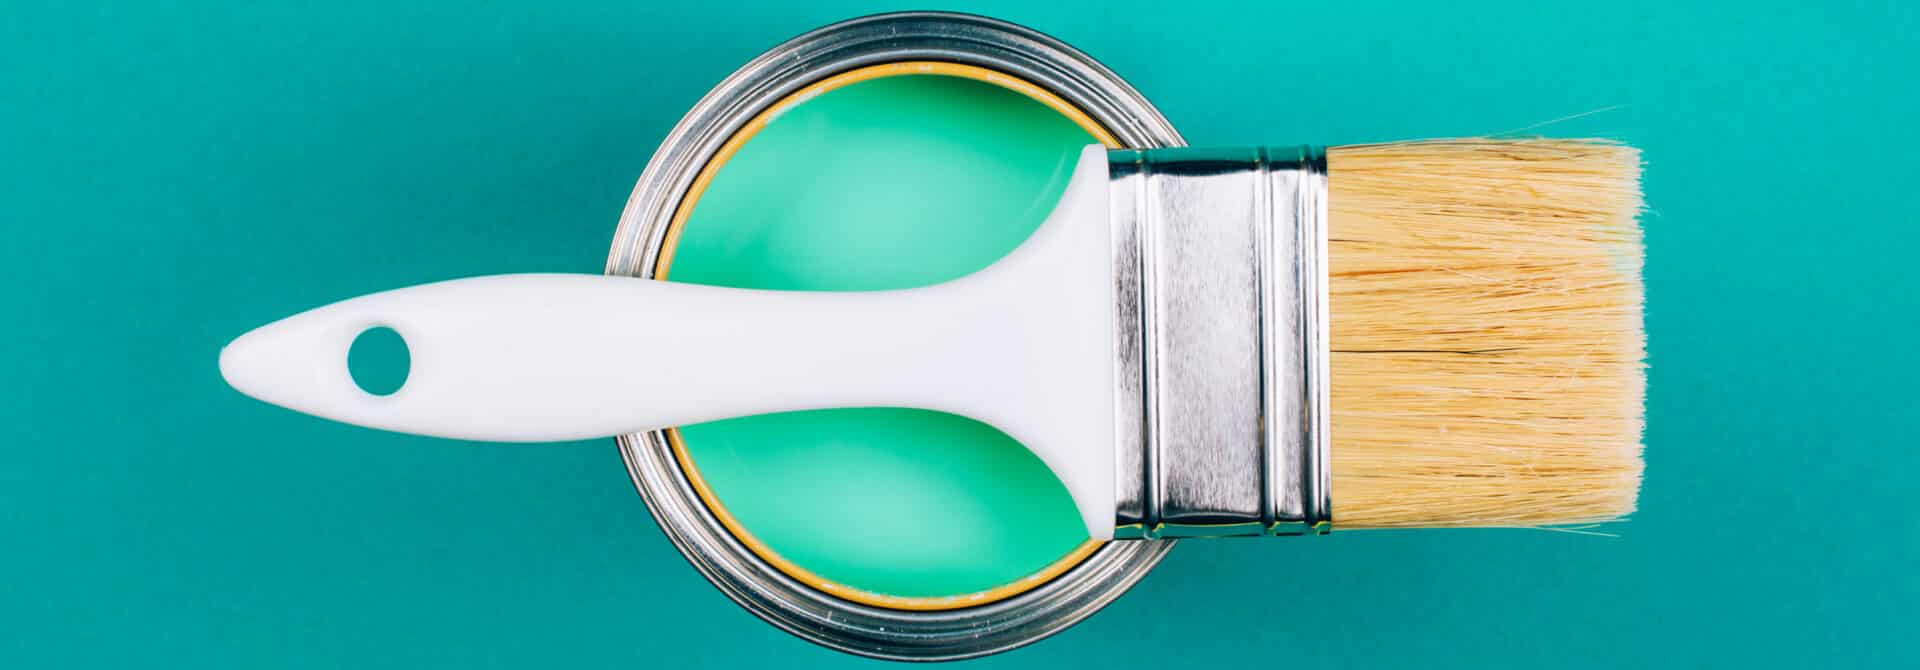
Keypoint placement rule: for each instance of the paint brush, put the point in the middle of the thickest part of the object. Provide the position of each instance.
(1196, 341)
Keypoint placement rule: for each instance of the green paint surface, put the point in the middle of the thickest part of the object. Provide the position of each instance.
(173, 174)
(889, 183)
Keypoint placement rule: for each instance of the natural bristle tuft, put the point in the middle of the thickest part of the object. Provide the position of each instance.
(1487, 332)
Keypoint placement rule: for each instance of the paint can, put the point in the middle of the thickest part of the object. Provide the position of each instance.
(785, 595)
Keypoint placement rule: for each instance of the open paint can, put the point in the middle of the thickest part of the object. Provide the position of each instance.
(884, 152)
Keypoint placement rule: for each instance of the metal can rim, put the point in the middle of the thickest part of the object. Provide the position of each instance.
(669, 495)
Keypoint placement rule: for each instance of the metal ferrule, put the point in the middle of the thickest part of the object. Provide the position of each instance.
(1220, 288)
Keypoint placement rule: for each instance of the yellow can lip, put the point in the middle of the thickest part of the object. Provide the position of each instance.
(671, 240)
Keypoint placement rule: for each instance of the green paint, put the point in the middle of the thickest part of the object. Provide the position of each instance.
(890, 183)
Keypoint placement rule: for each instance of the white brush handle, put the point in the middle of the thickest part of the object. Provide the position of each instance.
(1025, 345)
(560, 357)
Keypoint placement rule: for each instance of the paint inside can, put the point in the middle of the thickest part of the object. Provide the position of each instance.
(884, 183)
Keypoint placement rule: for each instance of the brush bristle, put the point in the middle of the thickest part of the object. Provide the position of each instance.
(1487, 332)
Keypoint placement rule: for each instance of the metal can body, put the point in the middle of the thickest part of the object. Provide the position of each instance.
(1068, 80)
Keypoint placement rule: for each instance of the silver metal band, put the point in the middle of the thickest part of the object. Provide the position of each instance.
(1222, 343)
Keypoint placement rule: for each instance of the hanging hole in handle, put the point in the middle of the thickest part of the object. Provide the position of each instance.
(379, 361)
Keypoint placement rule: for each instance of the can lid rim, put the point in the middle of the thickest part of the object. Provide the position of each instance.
(644, 232)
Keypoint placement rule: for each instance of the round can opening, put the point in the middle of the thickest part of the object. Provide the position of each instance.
(886, 176)
(684, 476)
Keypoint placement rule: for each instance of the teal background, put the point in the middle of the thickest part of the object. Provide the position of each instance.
(172, 174)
